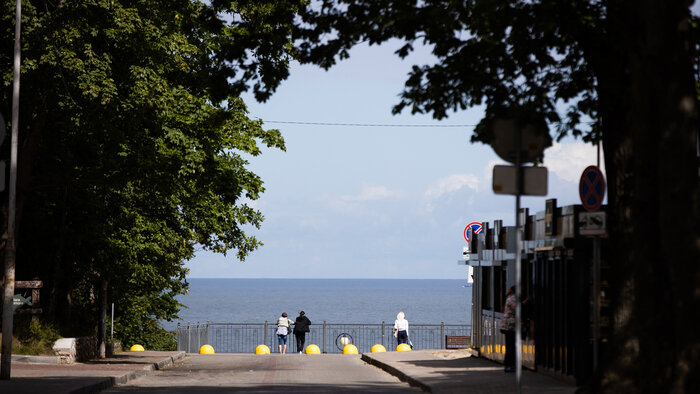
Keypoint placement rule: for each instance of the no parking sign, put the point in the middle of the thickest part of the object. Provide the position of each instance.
(476, 228)
(591, 188)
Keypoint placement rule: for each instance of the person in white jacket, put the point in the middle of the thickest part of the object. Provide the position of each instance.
(401, 328)
(283, 328)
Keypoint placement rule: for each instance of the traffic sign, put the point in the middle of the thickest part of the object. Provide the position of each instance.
(591, 188)
(534, 180)
(532, 141)
(591, 223)
(476, 229)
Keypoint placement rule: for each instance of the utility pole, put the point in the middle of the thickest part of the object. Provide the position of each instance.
(10, 247)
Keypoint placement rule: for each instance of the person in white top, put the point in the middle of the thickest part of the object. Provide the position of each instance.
(283, 328)
(401, 328)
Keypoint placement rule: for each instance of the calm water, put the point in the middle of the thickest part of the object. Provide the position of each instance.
(423, 301)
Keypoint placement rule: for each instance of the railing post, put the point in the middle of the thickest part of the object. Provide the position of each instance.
(383, 335)
(324, 338)
(189, 337)
(199, 337)
(208, 338)
(265, 333)
(442, 335)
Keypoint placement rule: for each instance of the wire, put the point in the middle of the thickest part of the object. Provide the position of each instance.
(367, 124)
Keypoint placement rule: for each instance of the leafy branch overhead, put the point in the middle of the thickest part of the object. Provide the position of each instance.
(508, 55)
(135, 142)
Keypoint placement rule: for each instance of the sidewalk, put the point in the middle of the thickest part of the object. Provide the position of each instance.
(455, 371)
(437, 371)
(37, 375)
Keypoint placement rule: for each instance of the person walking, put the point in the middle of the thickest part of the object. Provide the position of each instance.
(508, 329)
(401, 328)
(283, 326)
(301, 327)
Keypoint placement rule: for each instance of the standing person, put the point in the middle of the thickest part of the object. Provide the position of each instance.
(401, 328)
(508, 328)
(301, 327)
(283, 325)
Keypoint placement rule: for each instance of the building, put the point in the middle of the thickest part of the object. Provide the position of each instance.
(562, 334)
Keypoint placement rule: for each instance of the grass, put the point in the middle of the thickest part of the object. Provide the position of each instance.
(33, 338)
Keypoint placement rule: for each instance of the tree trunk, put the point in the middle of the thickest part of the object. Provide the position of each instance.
(102, 330)
(650, 131)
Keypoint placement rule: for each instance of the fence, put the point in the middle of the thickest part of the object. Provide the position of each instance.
(244, 337)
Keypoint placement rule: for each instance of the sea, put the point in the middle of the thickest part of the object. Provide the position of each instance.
(423, 301)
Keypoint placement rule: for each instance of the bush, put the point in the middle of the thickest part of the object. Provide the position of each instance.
(33, 338)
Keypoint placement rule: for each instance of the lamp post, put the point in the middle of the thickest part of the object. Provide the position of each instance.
(10, 248)
(519, 144)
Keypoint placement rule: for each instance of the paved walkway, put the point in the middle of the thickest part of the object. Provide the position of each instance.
(437, 371)
(455, 371)
(292, 373)
(39, 375)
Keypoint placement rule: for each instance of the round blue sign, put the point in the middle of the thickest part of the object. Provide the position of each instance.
(591, 188)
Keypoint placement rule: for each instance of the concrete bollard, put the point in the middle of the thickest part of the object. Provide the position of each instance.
(313, 349)
(206, 349)
(350, 349)
(262, 349)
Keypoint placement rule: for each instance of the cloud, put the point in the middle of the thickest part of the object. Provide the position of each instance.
(370, 201)
(568, 161)
(445, 188)
(451, 184)
(373, 193)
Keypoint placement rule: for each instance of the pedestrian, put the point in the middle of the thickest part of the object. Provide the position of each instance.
(508, 329)
(301, 327)
(283, 326)
(401, 328)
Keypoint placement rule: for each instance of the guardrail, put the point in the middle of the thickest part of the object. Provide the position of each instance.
(244, 337)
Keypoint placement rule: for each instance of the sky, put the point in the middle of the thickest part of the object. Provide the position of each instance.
(374, 202)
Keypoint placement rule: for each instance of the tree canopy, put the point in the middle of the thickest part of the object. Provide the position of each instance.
(134, 145)
(134, 138)
(620, 72)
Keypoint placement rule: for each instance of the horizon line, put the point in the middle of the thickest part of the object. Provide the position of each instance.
(334, 278)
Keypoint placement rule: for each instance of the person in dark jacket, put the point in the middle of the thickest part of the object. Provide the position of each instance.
(301, 327)
(508, 328)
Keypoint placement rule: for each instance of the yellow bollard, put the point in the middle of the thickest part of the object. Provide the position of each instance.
(137, 348)
(378, 349)
(206, 349)
(313, 349)
(404, 347)
(350, 349)
(262, 349)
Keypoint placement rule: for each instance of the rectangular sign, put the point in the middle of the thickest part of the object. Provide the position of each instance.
(591, 223)
(534, 180)
(550, 219)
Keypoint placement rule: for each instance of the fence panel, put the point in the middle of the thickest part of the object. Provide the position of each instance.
(244, 337)
(192, 336)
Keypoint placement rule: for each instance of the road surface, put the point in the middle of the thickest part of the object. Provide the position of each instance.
(225, 373)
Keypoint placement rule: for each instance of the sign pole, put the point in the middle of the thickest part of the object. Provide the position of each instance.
(596, 288)
(10, 248)
(518, 247)
(596, 300)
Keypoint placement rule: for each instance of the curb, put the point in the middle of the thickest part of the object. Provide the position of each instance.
(399, 374)
(24, 358)
(110, 382)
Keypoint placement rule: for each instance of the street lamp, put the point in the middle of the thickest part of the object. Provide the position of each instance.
(518, 142)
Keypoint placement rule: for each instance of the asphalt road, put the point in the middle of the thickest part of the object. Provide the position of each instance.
(225, 373)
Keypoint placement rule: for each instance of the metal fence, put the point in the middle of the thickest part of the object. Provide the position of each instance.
(244, 337)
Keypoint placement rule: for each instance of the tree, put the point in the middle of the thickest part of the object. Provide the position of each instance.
(624, 72)
(133, 146)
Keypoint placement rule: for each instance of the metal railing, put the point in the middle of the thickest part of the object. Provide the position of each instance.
(244, 337)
